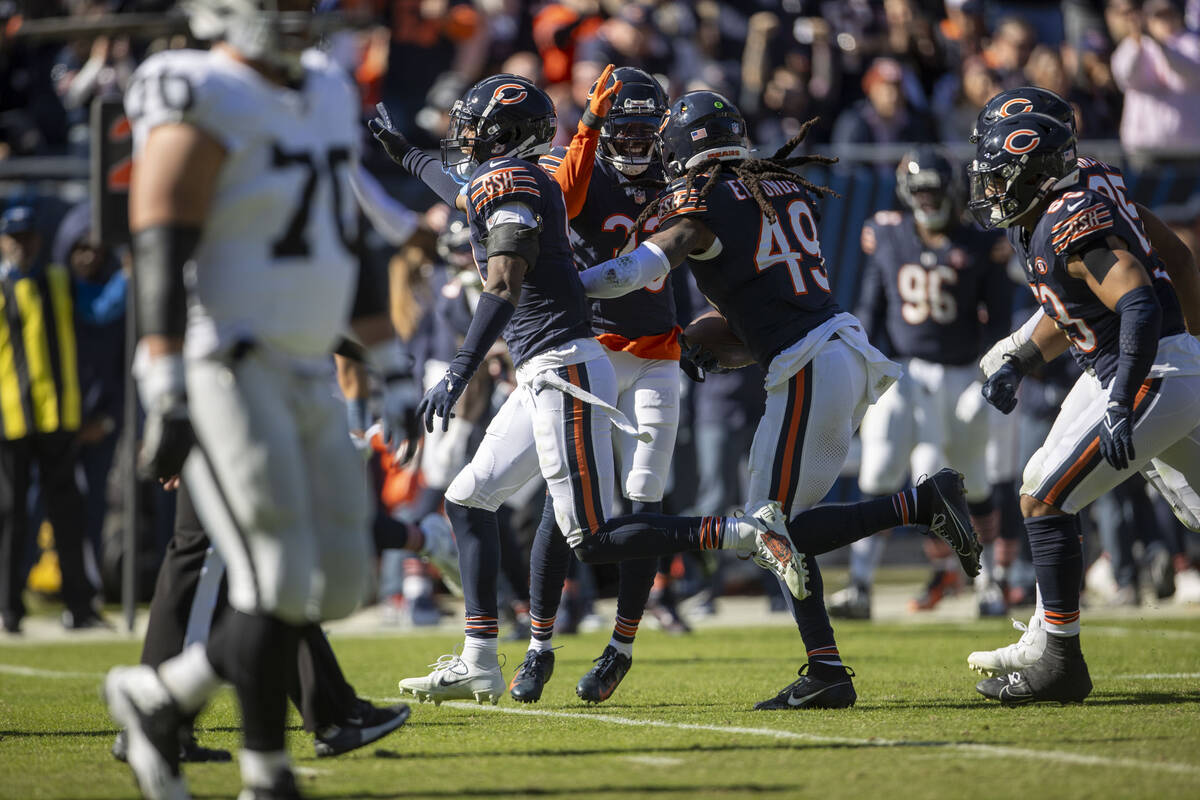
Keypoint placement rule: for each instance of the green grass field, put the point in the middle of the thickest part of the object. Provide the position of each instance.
(681, 724)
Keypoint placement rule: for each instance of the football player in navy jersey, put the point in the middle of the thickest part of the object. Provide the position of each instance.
(640, 337)
(927, 277)
(1108, 298)
(1180, 266)
(748, 228)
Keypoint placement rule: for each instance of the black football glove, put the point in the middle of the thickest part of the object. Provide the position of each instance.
(1116, 435)
(393, 141)
(440, 400)
(703, 358)
(690, 369)
(1001, 388)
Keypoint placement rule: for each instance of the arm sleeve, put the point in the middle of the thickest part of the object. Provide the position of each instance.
(573, 170)
(1141, 323)
(624, 274)
(430, 171)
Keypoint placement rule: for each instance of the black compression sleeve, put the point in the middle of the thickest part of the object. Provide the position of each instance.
(1026, 358)
(491, 315)
(515, 239)
(159, 255)
(430, 172)
(1141, 323)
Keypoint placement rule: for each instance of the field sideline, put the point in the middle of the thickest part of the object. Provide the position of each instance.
(681, 724)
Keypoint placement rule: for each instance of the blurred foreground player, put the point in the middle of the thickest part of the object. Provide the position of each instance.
(243, 224)
(1107, 297)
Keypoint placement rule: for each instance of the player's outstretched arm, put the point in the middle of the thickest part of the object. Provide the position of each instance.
(649, 261)
(413, 159)
(1180, 265)
(575, 172)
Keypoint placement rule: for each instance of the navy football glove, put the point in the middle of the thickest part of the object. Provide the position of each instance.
(1116, 435)
(440, 400)
(1001, 388)
(701, 357)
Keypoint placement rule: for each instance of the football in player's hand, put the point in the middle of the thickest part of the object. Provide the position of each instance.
(711, 331)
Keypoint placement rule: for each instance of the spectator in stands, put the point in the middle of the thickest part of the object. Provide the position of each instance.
(1095, 93)
(884, 117)
(910, 39)
(1010, 47)
(959, 97)
(39, 420)
(98, 284)
(1157, 65)
(962, 32)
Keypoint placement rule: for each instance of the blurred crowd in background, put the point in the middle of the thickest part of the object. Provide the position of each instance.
(876, 72)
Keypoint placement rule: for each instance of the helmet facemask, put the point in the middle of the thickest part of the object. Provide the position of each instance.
(473, 139)
(630, 143)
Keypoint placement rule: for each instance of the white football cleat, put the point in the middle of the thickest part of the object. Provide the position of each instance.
(1187, 586)
(1014, 657)
(774, 550)
(455, 679)
(142, 706)
(442, 551)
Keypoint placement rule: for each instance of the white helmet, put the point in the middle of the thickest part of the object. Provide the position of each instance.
(274, 32)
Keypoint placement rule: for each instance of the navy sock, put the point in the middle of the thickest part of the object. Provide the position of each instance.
(549, 560)
(478, 537)
(639, 536)
(255, 652)
(636, 580)
(825, 528)
(512, 559)
(813, 622)
(1058, 562)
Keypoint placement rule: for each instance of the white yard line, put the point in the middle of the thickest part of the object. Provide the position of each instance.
(970, 748)
(34, 672)
(1157, 676)
(1106, 630)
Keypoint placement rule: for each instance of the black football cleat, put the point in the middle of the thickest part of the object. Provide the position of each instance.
(532, 676)
(951, 521)
(365, 724)
(1059, 676)
(603, 679)
(833, 689)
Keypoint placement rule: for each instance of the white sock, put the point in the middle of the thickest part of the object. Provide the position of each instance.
(480, 652)
(1039, 611)
(739, 534)
(259, 769)
(624, 648)
(190, 678)
(541, 645)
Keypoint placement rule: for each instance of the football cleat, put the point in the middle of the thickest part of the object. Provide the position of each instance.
(775, 551)
(853, 602)
(365, 724)
(951, 520)
(1059, 676)
(442, 551)
(139, 702)
(943, 584)
(603, 679)
(836, 690)
(282, 788)
(532, 676)
(455, 679)
(1014, 657)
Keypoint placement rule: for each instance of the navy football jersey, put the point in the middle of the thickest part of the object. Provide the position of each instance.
(923, 301)
(1074, 221)
(553, 309)
(767, 278)
(599, 232)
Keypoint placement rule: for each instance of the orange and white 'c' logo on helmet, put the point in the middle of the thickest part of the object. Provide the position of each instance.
(503, 96)
(1011, 143)
(1017, 105)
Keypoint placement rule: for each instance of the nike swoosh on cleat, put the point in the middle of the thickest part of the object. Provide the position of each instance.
(443, 682)
(797, 701)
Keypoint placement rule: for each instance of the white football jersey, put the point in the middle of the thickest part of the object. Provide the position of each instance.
(275, 263)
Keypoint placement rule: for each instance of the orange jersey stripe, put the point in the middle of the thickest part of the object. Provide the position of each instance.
(589, 507)
(793, 434)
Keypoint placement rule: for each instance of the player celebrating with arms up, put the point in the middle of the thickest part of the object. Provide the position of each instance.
(748, 229)
(1107, 297)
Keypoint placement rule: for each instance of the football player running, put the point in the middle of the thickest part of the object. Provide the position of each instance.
(927, 276)
(640, 338)
(243, 157)
(1180, 266)
(748, 228)
(1106, 297)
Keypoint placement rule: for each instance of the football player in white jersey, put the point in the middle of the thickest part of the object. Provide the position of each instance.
(242, 218)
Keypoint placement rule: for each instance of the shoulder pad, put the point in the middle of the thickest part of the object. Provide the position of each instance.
(1078, 218)
(503, 180)
(677, 201)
